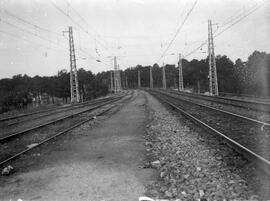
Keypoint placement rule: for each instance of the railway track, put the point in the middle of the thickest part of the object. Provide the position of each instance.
(36, 121)
(8, 122)
(17, 144)
(245, 97)
(250, 137)
(246, 104)
(40, 113)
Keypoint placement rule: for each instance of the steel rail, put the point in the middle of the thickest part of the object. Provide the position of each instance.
(254, 105)
(5, 138)
(56, 135)
(247, 96)
(48, 110)
(263, 163)
(227, 98)
(60, 110)
(220, 110)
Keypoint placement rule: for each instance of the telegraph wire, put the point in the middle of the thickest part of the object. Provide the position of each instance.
(241, 18)
(24, 39)
(45, 39)
(178, 30)
(234, 22)
(29, 32)
(76, 12)
(26, 30)
(29, 23)
(76, 23)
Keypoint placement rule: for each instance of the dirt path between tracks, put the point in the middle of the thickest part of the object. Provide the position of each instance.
(101, 163)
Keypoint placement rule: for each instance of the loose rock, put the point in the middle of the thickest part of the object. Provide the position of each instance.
(156, 164)
(7, 170)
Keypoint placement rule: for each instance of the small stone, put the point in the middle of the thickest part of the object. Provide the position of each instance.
(163, 189)
(7, 170)
(219, 158)
(201, 192)
(199, 169)
(168, 194)
(184, 193)
(254, 197)
(156, 164)
(231, 182)
(162, 174)
(152, 192)
(148, 144)
(186, 176)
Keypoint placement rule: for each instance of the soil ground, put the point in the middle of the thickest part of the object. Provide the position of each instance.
(94, 163)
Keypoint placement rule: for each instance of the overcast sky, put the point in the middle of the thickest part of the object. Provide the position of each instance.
(136, 31)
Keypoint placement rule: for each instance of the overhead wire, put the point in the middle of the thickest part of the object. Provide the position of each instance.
(28, 23)
(241, 18)
(76, 23)
(31, 33)
(43, 38)
(233, 22)
(74, 10)
(24, 39)
(178, 30)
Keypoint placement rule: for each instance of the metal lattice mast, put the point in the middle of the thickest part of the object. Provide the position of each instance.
(213, 83)
(164, 76)
(139, 79)
(74, 86)
(151, 78)
(181, 84)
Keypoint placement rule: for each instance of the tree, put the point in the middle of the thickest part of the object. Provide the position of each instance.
(225, 73)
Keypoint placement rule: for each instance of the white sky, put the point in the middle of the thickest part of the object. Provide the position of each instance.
(137, 31)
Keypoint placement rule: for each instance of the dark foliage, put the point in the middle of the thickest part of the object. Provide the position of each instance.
(18, 91)
(250, 77)
(246, 78)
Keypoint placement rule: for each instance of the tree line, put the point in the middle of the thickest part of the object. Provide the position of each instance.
(240, 77)
(21, 90)
(249, 77)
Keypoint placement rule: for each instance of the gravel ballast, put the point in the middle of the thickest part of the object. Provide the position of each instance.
(192, 164)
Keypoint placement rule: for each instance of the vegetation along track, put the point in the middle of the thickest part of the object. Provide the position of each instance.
(248, 136)
(12, 147)
(246, 104)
